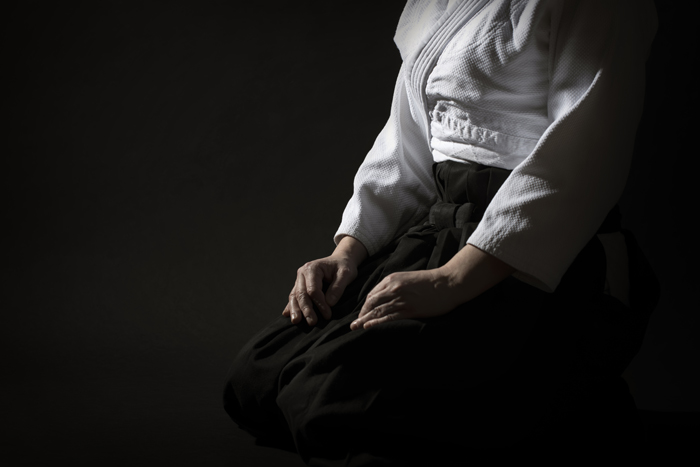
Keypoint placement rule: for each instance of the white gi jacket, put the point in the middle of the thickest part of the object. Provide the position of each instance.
(550, 89)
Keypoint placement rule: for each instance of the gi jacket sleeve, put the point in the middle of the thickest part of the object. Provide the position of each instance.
(555, 200)
(394, 186)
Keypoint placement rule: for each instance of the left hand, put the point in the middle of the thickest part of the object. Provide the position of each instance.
(435, 292)
(401, 295)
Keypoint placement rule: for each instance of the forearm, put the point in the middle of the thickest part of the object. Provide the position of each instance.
(351, 248)
(470, 273)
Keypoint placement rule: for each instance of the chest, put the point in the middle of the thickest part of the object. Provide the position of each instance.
(501, 53)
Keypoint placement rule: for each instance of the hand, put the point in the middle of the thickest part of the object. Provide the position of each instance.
(308, 288)
(339, 269)
(413, 294)
(425, 294)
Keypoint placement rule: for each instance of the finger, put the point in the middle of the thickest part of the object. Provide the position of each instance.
(313, 278)
(370, 304)
(304, 301)
(380, 294)
(384, 319)
(295, 310)
(375, 313)
(288, 307)
(343, 277)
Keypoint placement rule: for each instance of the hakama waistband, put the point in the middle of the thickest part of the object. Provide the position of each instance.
(467, 188)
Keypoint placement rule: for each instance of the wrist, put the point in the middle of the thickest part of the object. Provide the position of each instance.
(453, 285)
(471, 272)
(351, 249)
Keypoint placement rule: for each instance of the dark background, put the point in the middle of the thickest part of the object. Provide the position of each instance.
(168, 165)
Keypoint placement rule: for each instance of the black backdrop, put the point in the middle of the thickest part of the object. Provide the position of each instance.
(167, 167)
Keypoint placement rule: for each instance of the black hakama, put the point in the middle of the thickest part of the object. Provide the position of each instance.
(516, 367)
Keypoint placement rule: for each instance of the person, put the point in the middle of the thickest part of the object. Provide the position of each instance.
(479, 292)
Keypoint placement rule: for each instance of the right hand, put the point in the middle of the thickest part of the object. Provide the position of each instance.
(308, 288)
(338, 269)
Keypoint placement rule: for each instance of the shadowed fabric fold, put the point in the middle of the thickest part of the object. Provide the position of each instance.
(506, 370)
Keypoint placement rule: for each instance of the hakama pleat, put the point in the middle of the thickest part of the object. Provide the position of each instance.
(499, 373)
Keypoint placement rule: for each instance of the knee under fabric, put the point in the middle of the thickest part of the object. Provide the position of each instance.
(509, 353)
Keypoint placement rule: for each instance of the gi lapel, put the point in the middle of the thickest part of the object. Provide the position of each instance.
(424, 59)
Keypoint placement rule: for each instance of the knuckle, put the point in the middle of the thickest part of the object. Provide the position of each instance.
(343, 270)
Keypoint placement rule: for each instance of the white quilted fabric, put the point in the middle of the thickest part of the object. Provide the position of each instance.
(551, 89)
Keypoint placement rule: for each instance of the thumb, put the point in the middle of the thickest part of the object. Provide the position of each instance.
(342, 278)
